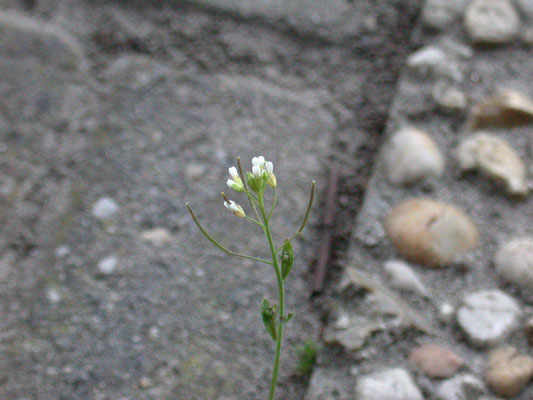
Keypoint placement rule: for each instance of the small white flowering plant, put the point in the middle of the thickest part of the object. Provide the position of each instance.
(253, 186)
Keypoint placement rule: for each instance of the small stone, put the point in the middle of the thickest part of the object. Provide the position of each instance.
(508, 371)
(53, 295)
(411, 155)
(461, 387)
(435, 361)
(430, 232)
(427, 58)
(495, 158)
(446, 313)
(514, 262)
(157, 236)
(403, 277)
(449, 98)
(62, 251)
(438, 14)
(145, 382)
(107, 265)
(504, 108)
(153, 332)
(491, 21)
(391, 384)
(488, 316)
(105, 207)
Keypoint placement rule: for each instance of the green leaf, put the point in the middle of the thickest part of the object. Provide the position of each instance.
(286, 257)
(268, 313)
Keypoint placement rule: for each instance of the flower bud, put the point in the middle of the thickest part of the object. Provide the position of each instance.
(272, 180)
(235, 208)
(235, 185)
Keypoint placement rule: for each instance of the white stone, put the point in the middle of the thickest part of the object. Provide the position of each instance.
(62, 251)
(514, 261)
(449, 97)
(391, 384)
(488, 316)
(446, 312)
(496, 158)
(491, 21)
(105, 207)
(411, 155)
(53, 295)
(107, 265)
(426, 57)
(157, 236)
(403, 277)
(438, 14)
(461, 387)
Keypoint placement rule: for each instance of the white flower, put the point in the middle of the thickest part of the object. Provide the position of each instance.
(256, 171)
(233, 172)
(269, 167)
(235, 208)
(236, 182)
(258, 161)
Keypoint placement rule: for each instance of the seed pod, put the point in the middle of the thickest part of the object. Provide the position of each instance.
(268, 313)
(286, 257)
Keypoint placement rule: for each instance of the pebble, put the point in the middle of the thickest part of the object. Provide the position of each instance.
(105, 207)
(504, 108)
(438, 14)
(411, 155)
(427, 57)
(508, 371)
(194, 171)
(461, 387)
(403, 277)
(156, 236)
(514, 261)
(488, 316)
(491, 21)
(429, 232)
(495, 158)
(449, 98)
(53, 295)
(107, 265)
(391, 384)
(62, 251)
(446, 313)
(435, 361)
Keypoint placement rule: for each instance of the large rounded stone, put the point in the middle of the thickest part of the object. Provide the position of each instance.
(508, 371)
(514, 262)
(412, 155)
(392, 384)
(430, 232)
(491, 21)
(488, 316)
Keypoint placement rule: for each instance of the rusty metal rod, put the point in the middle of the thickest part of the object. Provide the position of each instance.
(319, 273)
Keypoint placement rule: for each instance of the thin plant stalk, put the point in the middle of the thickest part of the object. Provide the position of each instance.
(257, 202)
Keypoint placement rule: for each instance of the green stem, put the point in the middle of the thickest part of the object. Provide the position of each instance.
(281, 296)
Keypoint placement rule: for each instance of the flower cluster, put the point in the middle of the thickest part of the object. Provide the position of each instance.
(262, 174)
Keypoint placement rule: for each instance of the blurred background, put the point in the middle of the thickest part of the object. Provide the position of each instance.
(113, 114)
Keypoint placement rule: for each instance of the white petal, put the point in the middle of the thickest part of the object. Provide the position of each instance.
(256, 170)
(226, 204)
(233, 172)
(261, 161)
(230, 183)
(269, 167)
(255, 161)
